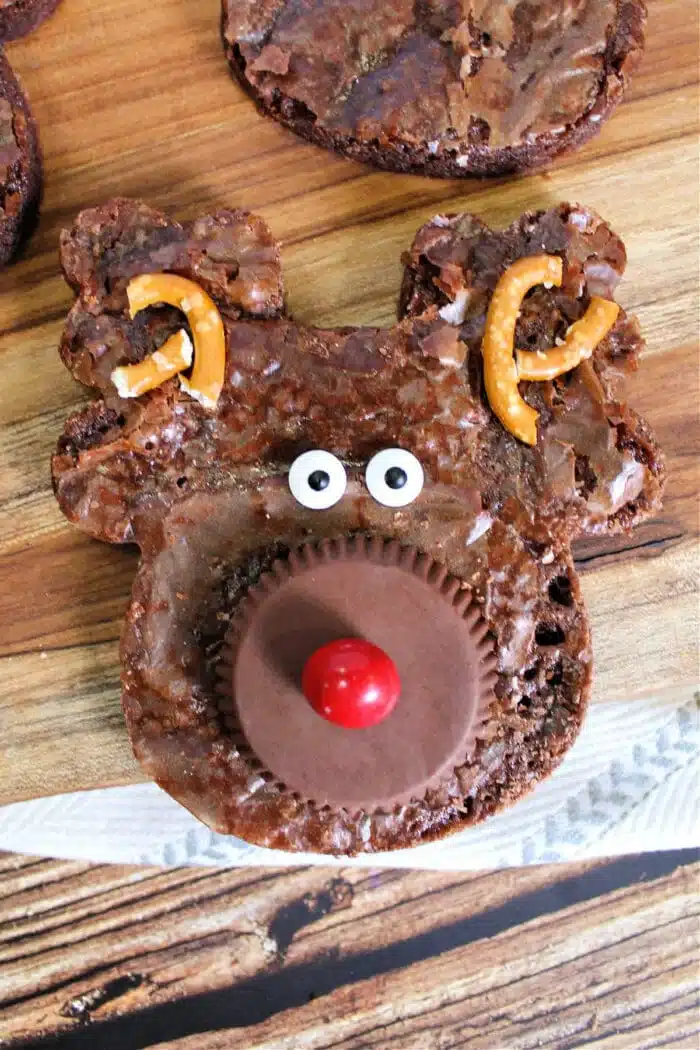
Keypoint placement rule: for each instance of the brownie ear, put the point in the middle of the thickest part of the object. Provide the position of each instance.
(592, 442)
(230, 254)
(107, 469)
(455, 261)
(100, 237)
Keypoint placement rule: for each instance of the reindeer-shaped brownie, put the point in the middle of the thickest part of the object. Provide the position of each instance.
(356, 623)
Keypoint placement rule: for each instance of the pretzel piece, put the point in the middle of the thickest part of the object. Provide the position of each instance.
(500, 370)
(580, 342)
(207, 379)
(175, 355)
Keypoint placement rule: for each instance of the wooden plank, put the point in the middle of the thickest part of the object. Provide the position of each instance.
(382, 959)
(72, 920)
(571, 980)
(198, 143)
(62, 722)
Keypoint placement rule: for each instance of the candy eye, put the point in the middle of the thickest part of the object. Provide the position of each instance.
(394, 477)
(317, 479)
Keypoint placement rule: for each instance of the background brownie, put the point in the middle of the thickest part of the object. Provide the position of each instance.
(437, 87)
(20, 165)
(18, 17)
(602, 452)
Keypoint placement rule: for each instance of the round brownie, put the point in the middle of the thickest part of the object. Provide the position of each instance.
(20, 165)
(437, 86)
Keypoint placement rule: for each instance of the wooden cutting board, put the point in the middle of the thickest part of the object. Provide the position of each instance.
(136, 99)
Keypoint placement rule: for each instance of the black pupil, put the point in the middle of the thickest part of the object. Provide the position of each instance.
(395, 478)
(319, 480)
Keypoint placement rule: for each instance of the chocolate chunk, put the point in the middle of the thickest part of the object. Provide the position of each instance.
(445, 89)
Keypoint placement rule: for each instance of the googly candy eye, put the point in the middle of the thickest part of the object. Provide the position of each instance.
(317, 479)
(394, 477)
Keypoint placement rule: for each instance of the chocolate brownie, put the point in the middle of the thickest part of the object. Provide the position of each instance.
(249, 565)
(438, 87)
(19, 17)
(604, 449)
(230, 254)
(20, 165)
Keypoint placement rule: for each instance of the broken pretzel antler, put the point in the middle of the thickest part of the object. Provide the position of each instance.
(174, 356)
(580, 342)
(502, 373)
(207, 379)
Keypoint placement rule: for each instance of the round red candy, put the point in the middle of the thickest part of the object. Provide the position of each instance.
(351, 683)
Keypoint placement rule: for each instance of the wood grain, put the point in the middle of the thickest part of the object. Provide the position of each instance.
(597, 954)
(136, 99)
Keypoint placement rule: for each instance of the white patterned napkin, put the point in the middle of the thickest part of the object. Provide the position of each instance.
(631, 783)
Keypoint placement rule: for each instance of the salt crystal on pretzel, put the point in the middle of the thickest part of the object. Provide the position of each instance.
(174, 356)
(580, 342)
(500, 370)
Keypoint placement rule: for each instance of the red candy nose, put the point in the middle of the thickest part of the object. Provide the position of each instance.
(351, 683)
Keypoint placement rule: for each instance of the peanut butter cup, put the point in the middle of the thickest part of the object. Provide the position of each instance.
(379, 592)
